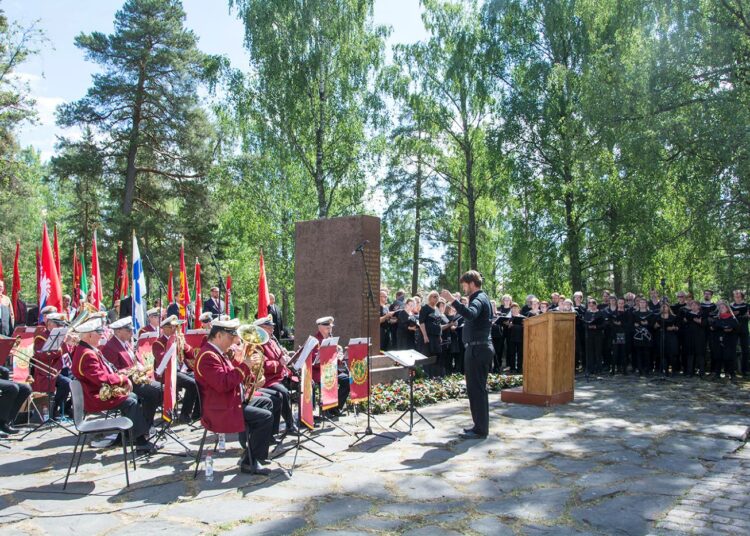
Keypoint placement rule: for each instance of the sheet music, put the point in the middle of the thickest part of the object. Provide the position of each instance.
(405, 358)
(360, 340)
(55, 340)
(330, 341)
(310, 344)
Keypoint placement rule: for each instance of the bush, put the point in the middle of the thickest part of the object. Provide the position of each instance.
(395, 396)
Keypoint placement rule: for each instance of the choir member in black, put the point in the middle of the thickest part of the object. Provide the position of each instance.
(579, 308)
(654, 302)
(679, 309)
(385, 317)
(533, 308)
(642, 337)
(694, 330)
(708, 309)
(515, 338)
(543, 306)
(396, 306)
(594, 322)
(727, 330)
(407, 325)
(607, 351)
(500, 332)
(430, 328)
(555, 301)
(566, 306)
(740, 310)
(455, 361)
(665, 327)
(619, 327)
(605, 301)
(630, 303)
(445, 361)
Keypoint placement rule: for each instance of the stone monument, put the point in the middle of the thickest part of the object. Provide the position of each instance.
(329, 280)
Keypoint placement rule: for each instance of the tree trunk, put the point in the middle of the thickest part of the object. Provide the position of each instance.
(417, 228)
(471, 203)
(572, 243)
(130, 171)
(319, 137)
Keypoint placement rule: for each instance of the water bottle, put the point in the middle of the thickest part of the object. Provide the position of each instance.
(45, 414)
(209, 467)
(222, 443)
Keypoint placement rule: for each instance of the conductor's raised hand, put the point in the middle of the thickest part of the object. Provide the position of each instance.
(446, 295)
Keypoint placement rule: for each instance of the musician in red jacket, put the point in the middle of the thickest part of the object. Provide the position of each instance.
(276, 374)
(93, 371)
(191, 410)
(325, 330)
(119, 352)
(224, 411)
(154, 317)
(54, 372)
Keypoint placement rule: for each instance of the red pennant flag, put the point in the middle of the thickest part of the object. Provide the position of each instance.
(229, 294)
(56, 250)
(306, 403)
(38, 271)
(124, 280)
(16, 280)
(183, 298)
(170, 379)
(263, 298)
(75, 298)
(358, 370)
(170, 287)
(49, 282)
(96, 279)
(118, 274)
(198, 299)
(329, 377)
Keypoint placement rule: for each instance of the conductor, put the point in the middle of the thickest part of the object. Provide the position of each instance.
(478, 352)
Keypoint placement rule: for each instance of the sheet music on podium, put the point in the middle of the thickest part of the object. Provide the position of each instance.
(405, 358)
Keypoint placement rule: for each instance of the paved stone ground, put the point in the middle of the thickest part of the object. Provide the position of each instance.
(627, 457)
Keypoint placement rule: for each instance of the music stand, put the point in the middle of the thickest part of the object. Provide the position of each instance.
(165, 429)
(408, 359)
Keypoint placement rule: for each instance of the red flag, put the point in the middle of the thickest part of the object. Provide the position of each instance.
(75, 298)
(263, 299)
(229, 294)
(124, 280)
(38, 270)
(56, 250)
(170, 287)
(329, 377)
(170, 379)
(96, 279)
(358, 369)
(16, 280)
(183, 298)
(117, 287)
(198, 299)
(306, 403)
(49, 282)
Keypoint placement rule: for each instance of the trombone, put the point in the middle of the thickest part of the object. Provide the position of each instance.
(31, 360)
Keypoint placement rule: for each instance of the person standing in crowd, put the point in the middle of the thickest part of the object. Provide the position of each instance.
(455, 360)
(741, 313)
(726, 329)
(498, 332)
(385, 318)
(618, 332)
(407, 326)
(665, 327)
(609, 312)
(642, 337)
(278, 318)
(694, 328)
(708, 309)
(514, 325)
(431, 331)
(594, 324)
(214, 305)
(478, 350)
(678, 310)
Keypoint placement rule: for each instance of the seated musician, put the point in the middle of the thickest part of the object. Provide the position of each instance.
(190, 404)
(12, 396)
(206, 319)
(154, 317)
(276, 373)
(325, 330)
(119, 352)
(224, 410)
(52, 371)
(93, 371)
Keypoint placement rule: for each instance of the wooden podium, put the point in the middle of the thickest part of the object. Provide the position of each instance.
(548, 361)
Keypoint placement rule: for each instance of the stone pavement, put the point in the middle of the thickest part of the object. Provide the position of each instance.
(627, 457)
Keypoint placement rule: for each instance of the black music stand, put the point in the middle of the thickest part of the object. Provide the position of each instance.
(408, 360)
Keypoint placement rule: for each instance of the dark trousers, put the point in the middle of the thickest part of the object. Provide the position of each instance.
(619, 354)
(727, 344)
(498, 343)
(258, 416)
(286, 405)
(190, 405)
(477, 362)
(62, 391)
(131, 409)
(594, 341)
(12, 397)
(744, 339)
(276, 403)
(641, 358)
(515, 356)
(344, 387)
(150, 395)
(696, 358)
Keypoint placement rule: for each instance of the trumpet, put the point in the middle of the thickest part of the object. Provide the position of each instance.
(254, 337)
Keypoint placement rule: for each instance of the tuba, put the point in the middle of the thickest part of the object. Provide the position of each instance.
(254, 337)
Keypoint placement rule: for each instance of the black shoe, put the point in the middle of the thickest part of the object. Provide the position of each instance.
(292, 430)
(7, 428)
(469, 430)
(472, 435)
(253, 468)
(145, 446)
(183, 419)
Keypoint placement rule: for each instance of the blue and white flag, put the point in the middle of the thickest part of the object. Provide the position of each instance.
(139, 289)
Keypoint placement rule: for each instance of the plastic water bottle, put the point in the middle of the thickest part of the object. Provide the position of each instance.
(222, 443)
(45, 414)
(209, 467)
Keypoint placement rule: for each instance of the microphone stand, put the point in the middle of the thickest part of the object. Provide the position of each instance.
(222, 286)
(370, 304)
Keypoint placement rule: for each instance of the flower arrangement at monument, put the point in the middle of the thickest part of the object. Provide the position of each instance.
(395, 396)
